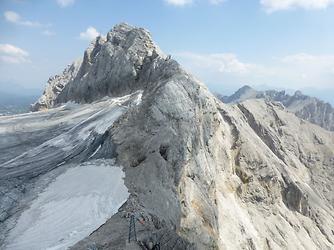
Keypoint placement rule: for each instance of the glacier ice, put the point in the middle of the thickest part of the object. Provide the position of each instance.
(71, 207)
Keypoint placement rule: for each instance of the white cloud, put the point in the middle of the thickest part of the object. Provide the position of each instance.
(276, 5)
(65, 3)
(216, 2)
(12, 16)
(179, 2)
(269, 5)
(221, 62)
(308, 59)
(90, 34)
(11, 54)
(15, 18)
(48, 33)
(313, 69)
(297, 71)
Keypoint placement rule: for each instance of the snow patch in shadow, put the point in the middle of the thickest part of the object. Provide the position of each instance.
(71, 207)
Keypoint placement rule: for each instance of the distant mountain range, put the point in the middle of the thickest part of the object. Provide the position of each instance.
(305, 107)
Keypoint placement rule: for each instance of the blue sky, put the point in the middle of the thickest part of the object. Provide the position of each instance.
(264, 43)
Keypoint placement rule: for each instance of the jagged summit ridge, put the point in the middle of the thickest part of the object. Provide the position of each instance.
(201, 174)
(243, 93)
(111, 66)
(55, 86)
(303, 106)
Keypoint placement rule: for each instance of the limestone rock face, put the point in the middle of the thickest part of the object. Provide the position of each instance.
(305, 107)
(201, 174)
(55, 86)
(112, 66)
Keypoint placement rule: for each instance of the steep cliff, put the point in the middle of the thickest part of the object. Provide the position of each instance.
(200, 174)
(303, 106)
(55, 86)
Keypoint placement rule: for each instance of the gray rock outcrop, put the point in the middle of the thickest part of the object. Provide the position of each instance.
(303, 106)
(111, 66)
(55, 86)
(201, 174)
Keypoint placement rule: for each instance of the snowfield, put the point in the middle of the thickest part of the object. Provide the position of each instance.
(71, 207)
(58, 182)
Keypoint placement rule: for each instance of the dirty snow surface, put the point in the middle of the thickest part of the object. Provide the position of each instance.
(71, 207)
(58, 179)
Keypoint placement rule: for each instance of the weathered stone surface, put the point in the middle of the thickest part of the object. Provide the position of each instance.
(55, 86)
(303, 106)
(202, 174)
(113, 66)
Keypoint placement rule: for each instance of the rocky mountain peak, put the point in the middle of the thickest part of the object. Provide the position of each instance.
(243, 93)
(137, 40)
(245, 88)
(55, 85)
(119, 30)
(111, 66)
(199, 174)
(305, 107)
(298, 93)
